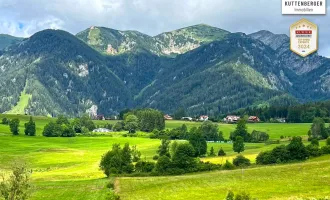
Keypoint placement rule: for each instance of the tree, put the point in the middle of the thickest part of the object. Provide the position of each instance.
(241, 130)
(296, 149)
(183, 157)
(221, 152)
(318, 129)
(67, 131)
(61, 119)
(315, 142)
(238, 145)
(179, 113)
(328, 141)
(241, 161)
(30, 127)
(14, 126)
(5, 121)
(17, 186)
(163, 149)
(136, 154)
(198, 142)
(163, 164)
(131, 123)
(118, 126)
(210, 131)
(52, 129)
(258, 136)
(212, 152)
(117, 160)
(150, 119)
(86, 121)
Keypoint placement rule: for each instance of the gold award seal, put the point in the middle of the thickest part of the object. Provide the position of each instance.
(303, 37)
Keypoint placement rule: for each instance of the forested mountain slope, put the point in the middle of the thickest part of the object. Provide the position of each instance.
(204, 69)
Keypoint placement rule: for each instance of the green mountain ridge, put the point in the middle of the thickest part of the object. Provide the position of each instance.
(8, 40)
(203, 69)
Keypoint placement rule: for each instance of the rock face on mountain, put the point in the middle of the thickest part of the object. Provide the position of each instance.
(204, 69)
(114, 42)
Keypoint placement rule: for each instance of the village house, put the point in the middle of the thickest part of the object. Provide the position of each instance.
(231, 119)
(203, 118)
(253, 119)
(168, 117)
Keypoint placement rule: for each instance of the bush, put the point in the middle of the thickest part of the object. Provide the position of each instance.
(17, 186)
(325, 149)
(241, 161)
(228, 166)
(183, 157)
(258, 136)
(207, 166)
(221, 152)
(30, 128)
(296, 149)
(5, 121)
(163, 164)
(313, 150)
(144, 166)
(265, 158)
(155, 157)
(328, 141)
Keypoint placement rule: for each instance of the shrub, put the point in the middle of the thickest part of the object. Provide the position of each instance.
(279, 154)
(228, 166)
(163, 164)
(230, 196)
(144, 166)
(52, 129)
(241, 161)
(207, 166)
(212, 152)
(296, 149)
(118, 126)
(242, 196)
(258, 136)
(155, 157)
(5, 121)
(315, 142)
(325, 149)
(313, 150)
(17, 186)
(328, 141)
(265, 158)
(221, 152)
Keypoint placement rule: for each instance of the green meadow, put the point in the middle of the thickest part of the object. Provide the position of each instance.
(68, 168)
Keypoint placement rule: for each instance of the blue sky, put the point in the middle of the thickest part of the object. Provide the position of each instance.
(25, 17)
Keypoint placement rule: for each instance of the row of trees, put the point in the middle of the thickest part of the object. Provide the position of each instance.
(29, 127)
(304, 113)
(177, 158)
(295, 151)
(145, 120)
(241, 131)
(62, 127)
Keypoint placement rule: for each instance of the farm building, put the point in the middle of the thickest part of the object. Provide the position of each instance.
(168, 117)
(203, 118)
(231, 119)
(253, 119)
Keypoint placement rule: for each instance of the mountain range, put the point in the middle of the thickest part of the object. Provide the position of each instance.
(203, 69)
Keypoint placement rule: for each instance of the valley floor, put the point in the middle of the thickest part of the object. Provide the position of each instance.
(68, 168)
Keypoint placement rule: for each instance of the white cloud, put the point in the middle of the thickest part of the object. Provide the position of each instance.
(150, 16)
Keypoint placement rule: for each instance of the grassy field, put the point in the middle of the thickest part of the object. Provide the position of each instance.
(308, 179)
(67, 168)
